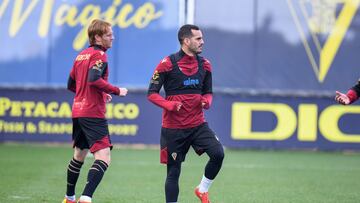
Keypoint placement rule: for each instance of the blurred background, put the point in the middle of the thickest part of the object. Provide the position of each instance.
(276, 67)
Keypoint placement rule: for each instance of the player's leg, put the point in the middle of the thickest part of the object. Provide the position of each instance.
(172, 182)
(73, 171)
(205, 140)
(174, 146)
(96, 173)
(97, 136)
(212, 168)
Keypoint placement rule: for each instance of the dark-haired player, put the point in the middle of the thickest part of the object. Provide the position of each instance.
(187, 81)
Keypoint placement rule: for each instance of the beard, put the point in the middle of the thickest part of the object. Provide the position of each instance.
(196, 50)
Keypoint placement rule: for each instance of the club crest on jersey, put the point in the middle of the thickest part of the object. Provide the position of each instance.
(99, 63)
(155, 75)
(174, 155)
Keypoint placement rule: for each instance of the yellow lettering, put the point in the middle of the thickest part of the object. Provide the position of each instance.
(111, 12)
(122, 22)
(60, 17)
(66, 14)
(5, 104)
(51, 109)
(122, 111)
(64, 110)
(109, 111)
(28, 106)
(123, 129)
(54, 128)
(11, 127)
(70, 15)
(3, 7)
(242, 116)
(18, 19)
(307, 127)
(45, 18)
(89, 13)
(119, 111)
(131, 111)
(145, 14)
(31, 128)
(328, 123)
(15, 109)
(40, 110)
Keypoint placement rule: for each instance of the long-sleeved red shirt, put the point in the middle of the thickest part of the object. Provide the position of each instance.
(89, 80)
(184, 82)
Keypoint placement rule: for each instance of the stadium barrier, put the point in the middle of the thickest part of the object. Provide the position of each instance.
(239, 120)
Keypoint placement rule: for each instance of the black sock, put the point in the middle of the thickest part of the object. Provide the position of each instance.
(73, 173)
(96, 172)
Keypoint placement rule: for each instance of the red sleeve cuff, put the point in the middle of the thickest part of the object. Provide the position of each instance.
(207, 98)
(352, 95)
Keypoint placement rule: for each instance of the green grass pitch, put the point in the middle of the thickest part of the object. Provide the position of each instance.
(34, 173)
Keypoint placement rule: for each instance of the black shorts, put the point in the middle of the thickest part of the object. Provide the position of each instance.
(175, 143)
(91, 133)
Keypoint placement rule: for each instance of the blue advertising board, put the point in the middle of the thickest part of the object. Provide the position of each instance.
(240, 121)
(283, 45)
(41, 38)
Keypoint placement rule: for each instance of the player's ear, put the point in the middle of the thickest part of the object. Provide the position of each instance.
(98, 38)
(186, 41)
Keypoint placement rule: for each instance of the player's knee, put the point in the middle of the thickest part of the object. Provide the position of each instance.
(217, 154)
(103, 155)
(105, 159)
(80, 155)
(174, 172)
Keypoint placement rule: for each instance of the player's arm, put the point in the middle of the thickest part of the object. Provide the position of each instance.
(156, 83)
(350, 97)
(71, 84)
(96, 70)
(207, 97)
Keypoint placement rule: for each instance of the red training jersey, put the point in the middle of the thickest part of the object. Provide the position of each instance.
(185, 82)
(89, 80)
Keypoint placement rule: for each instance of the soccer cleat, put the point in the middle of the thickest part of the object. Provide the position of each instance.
(203, 196)
(67, 201)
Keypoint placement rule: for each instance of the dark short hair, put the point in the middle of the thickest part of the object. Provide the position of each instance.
(185, 32)
(97, 27)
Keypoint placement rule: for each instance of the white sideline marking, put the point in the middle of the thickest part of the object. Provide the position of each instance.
(19, 197)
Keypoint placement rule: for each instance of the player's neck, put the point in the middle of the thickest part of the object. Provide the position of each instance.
(188, 52)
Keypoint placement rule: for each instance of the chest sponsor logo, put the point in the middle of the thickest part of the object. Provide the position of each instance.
(191, 82)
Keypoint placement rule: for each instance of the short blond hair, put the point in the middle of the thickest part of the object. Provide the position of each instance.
(97, 27)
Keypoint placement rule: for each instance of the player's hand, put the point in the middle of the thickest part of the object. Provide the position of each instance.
(204, 103)
(342, 98)
(176, 106)
(108, 98)
(123, 92)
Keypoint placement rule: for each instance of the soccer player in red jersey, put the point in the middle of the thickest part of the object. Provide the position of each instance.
(351, 96)
(187, 81)
(89, 81)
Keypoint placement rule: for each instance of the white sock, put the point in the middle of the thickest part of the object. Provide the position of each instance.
(85, 198)
(71, 198)
(205, 184)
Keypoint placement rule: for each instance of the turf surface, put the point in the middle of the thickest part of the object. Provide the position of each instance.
(36, 174)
